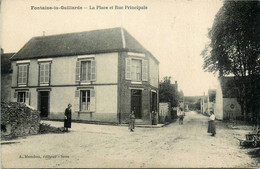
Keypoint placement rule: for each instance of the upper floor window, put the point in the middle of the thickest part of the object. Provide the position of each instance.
(44, 73)
(136, 69)
(23, 74)
(86, 70)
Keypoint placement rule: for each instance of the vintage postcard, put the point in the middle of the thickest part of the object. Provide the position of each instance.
(129, 84)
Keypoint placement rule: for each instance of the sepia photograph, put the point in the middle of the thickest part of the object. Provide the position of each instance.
(130, 83)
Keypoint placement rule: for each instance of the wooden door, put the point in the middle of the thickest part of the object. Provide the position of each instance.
(136, 103)
(44, 103)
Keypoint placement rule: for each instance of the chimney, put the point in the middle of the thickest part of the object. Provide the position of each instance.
(176, 85)
(43, 33)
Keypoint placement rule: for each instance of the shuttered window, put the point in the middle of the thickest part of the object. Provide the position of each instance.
(44, 73)
(136, 69)
(22, 73)
(21, 97)
(86, 100)
(85, 70)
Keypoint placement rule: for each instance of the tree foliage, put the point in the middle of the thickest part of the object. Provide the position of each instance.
(235, 46)
(168, 92)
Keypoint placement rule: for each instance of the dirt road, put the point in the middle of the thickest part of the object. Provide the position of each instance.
(89, 145)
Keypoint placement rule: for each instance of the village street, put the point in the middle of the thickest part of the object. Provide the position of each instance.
(174, 145)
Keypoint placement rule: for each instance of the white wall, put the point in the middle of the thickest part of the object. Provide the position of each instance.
(106, 68)
(154, 73)
(218, 107)
(106, 99)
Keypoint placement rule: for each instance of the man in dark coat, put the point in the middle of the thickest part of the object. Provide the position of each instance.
(67, 120)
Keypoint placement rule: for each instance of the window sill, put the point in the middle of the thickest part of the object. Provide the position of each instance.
(88, 82)
(22, 85)
(85, 112)
(44, 84)
(136, 82)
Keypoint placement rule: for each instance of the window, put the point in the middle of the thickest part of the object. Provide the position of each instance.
(21, 97)
(22, 74)
(44, 73)
(136, 69)
(85, 100)
(86, 70)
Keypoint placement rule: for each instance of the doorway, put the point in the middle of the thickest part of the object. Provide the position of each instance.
(43, 104)
(154, 102)
(136, 103)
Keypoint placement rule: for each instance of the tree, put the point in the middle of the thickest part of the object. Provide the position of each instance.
(235, 48)
(168, 92)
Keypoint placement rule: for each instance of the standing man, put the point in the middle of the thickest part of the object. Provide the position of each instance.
(67, 120)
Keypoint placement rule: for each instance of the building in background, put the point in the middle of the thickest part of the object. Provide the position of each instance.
(104, 74)
(6, 76)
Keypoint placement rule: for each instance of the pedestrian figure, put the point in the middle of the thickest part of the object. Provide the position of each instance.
(132, 121)
(67, 118)
(211, 126)
(153, 118)
(181, 116)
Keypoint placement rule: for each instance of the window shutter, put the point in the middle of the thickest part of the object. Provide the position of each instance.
(41, 73)
(76, 100)
(28, 96)
(78, 71)
(15, 94)
(93, 70)
(20, 74)
(26, 73)
(144, 70)
(128, 68)
(92, 100)
(47, 72)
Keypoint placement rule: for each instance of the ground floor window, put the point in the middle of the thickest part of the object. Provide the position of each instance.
(21, 97)
(84, 100)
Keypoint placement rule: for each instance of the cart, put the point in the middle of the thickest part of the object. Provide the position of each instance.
(251, 139)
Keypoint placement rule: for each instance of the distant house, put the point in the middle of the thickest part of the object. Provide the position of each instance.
(226, 104)
(104, 74)
(227, 98)
(6, 76)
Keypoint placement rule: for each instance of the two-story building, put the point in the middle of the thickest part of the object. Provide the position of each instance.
(104, 74)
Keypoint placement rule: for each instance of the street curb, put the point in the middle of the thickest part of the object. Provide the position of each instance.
(113, 123)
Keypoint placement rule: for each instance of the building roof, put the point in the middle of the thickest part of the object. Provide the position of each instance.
(90, 42)
(6, 63)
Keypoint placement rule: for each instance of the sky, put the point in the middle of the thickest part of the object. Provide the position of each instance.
(174, 31)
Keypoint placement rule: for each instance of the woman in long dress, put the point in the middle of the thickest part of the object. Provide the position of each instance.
(132, 121)
(67, 120)
(211, 126)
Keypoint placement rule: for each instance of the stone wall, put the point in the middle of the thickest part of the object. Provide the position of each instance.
(18, 119)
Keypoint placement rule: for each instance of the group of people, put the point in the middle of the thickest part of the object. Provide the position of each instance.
(211, 122)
